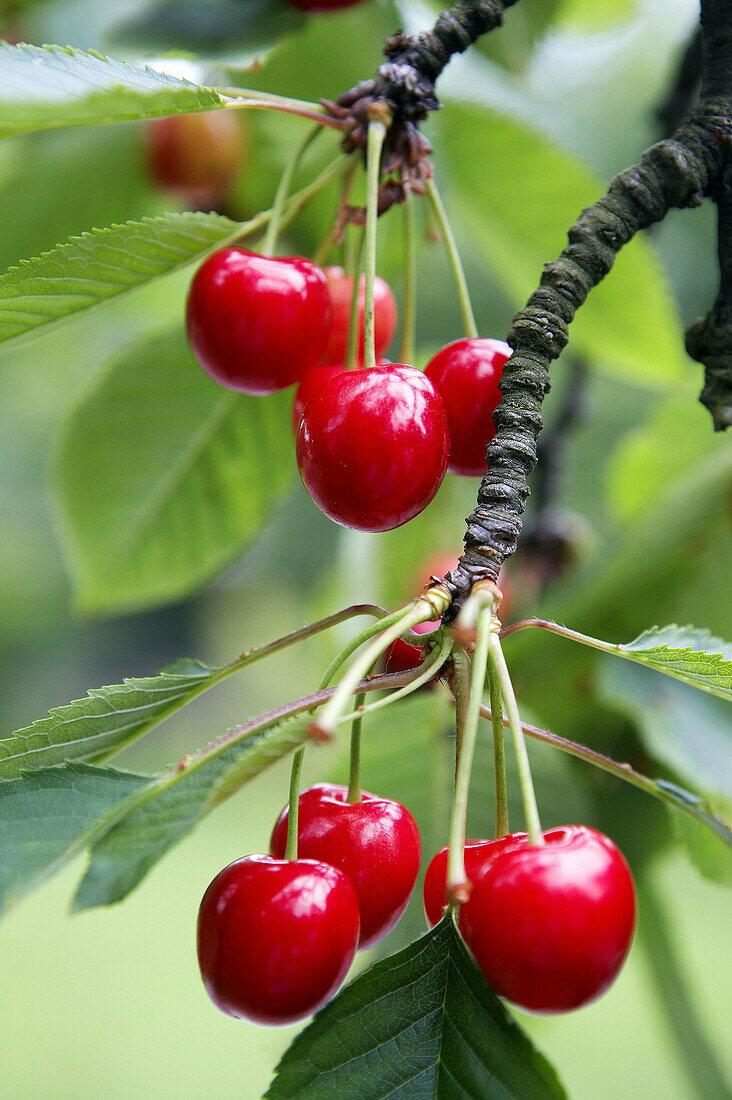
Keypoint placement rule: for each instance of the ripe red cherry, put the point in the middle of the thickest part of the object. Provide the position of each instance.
(402, 656)
(276, 937)
(312, 380)
(467, 374)
(255, 323)
(197, 156)
(550, 926)
(340, 287)
(375, 842)
(476, 854)
(372, 447)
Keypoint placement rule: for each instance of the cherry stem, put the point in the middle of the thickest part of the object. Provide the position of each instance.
(283, 187)
(409, 299)
(340, 659)
(353, 325)
(430, 605)
(528, 796)
(461, 286)
(376, 135)
(456, 884)
(354, 772)
(430, 667)
(294, 204)
(294, 808)
(499, 753)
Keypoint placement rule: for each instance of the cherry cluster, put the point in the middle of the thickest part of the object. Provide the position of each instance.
(372, 445)
(548, 926)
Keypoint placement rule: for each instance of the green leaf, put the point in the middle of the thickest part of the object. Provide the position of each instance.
(211, 28)
(422, 1023)
(48, 817)
(43, 87)
(107, 720)
(173, 805)
(102, 265)
(162, 477)
(517, 193)
(683, 652)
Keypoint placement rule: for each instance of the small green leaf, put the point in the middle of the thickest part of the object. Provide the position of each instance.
(686, 653)
(103, 265)
(47, 817)
(162, 477)
(107, 720)
(175, 803)
(683, 652)
(422, 1023)
(43, 87)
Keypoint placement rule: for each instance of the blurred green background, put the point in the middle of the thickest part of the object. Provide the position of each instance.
(109, 1003)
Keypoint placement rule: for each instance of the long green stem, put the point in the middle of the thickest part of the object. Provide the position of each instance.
(430, 668)
(283, 188)
(499, 752)
(340, 658)
(293, 813)
(294, 204)
(409, 300)
(376, 135)
(430, 606)
(456, 889)
(461, 285)
(354, 328)
(528, 797)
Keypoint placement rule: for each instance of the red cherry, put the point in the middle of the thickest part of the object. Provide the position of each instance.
(372, 447)
(196, 155)
(401, 656)
(467, 374)
(476, 854)
(550, 926)
(375, 842)
(312, 380)
(255, 323)
(340, 287)
(276, 937)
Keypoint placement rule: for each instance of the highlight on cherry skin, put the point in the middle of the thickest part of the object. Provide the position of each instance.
(374, 842)
(467, 374)
(276, 938)
(373, 446)
(195, 156)
(340, 289)
(549, 926)
(257, 323)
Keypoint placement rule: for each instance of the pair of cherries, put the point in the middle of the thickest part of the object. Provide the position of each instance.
(277, 937)
(372, 445)
(549, 926)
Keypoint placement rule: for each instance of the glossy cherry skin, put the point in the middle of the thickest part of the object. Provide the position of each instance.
(550, 926)
(476, 854)
(196, 156)
(401, 656)
(256, 324)
(340, 287)
(467, 374)
(276, 937)
(312, 380)
(373, 445)
(374, 842)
